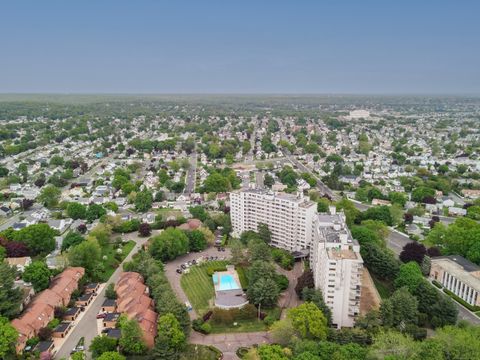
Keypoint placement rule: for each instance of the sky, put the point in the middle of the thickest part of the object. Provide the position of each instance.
(242, 46)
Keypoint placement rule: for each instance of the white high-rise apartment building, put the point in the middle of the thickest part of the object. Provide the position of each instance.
(290, 218)
(337, 267)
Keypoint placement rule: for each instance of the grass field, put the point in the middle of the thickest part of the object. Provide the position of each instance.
(110, 262)
(198, 285)
(384, 288)
(200, 352)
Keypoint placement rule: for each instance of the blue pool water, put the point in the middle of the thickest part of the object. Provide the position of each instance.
(227, 282)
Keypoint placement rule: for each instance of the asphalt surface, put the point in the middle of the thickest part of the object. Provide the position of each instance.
(174, 278)
(87, 326)
(191, 174)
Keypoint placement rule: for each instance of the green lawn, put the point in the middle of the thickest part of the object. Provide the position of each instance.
(242, 326)
(110, 262)
(384, 288)
(200, 352)
(198, 285)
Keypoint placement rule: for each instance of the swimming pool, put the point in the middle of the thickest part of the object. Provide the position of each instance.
(227, 282)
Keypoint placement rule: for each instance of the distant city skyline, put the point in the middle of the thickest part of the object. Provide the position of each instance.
(215, 47)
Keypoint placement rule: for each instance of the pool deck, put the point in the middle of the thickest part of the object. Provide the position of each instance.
(229, 298)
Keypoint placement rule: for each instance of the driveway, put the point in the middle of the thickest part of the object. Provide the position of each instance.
(87, 326)
(174, 278)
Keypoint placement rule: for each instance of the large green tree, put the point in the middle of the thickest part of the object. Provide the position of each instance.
(309, 321)
(131, 340)
(170, 339)
(409, 275)
(87, 255)
(76, 210)
(400, 308)
(102, 344)
(10, 297)
(8, 338)
(38, 274)
(40, 238)
(49, 196)
(169, 244)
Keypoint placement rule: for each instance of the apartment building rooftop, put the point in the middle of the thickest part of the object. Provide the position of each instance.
(340, 254)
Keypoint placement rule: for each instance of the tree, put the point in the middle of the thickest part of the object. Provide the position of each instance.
(95, 212)
(392, 345)
(198, 212)
(381, 213)
(309, 321)
(111, 355)
(10, 297)
(409, 275)
(260, 270)
(143, 201)
(38, 274)
(40, 238)
(49, 196)
(45, 333)
(304, 281)
(259, 250)
(364, 235)
(397, 198)
(413, 251)
(440, 310)
(170, 339)
(380, 261)
(323, 205)
(473, 212)
(102, 233)
(169, 244)
(110, 292)
(16, 249)
(268, 180)
(144, 229)
(400, 308)
(71, 239)
(420, 193)
(131, 340)
(282, 332)
(196, 240)
(102, 344)
(271, 352)
(76, 210)
(264, 233)
(8, 337)
(263, 292)
(315, 296)
(88, 255)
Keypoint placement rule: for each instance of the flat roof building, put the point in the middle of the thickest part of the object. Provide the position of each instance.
(337, 267)
(289, 217)
(459, 275)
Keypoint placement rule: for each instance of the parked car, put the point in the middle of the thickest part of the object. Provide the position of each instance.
(101, 316)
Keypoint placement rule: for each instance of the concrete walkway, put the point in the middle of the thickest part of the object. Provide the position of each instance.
(229, 343)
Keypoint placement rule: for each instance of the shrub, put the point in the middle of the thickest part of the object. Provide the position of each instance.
(282, 282)
(437, 284)
(206, 328)
(247, 312)
(461, 301)
(207, 316)
(215, 268)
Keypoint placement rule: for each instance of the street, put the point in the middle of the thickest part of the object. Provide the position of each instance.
(87, 326)
(191, 174)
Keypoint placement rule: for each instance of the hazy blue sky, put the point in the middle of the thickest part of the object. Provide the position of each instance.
(241, 46)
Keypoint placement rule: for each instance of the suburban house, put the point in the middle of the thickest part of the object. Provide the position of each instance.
(133, 300)
(41, 310)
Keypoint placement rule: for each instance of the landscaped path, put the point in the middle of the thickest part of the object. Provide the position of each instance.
(174, 278)
(289, 298)
(229, 343)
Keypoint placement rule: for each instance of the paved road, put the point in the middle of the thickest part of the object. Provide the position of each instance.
(174, 278)
(191, 174)
(397, 240)
(87, 326)
(324, 189)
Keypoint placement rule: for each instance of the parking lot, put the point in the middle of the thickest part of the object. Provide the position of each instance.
(174, 277)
